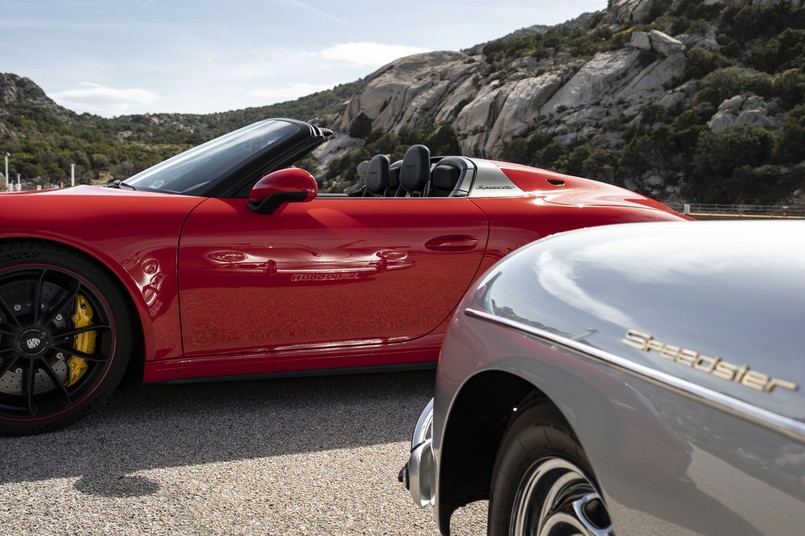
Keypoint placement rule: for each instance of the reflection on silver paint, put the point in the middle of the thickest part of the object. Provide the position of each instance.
(790, 427)
(675, 450)
(734, 292)
(558, 279)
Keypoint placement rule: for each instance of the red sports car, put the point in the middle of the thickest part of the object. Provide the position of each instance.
(224, 261)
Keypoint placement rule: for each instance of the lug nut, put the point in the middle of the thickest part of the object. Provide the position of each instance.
(18, 371)
(59, 317)
(17, 307)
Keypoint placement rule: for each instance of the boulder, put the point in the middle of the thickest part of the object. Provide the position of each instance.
(629, 11)
(640, 40)
(745, 110)
(665, 44)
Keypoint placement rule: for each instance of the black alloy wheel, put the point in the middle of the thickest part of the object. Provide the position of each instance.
(65, 337)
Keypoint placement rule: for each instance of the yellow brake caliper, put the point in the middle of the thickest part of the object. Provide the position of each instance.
(83, 342)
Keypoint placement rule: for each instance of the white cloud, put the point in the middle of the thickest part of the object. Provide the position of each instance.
(367, 54)
(293, 91)
(105, 101)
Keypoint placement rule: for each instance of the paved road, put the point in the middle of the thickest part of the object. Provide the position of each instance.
(276, 457)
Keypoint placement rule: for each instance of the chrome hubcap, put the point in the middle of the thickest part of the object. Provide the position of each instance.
(554, 498)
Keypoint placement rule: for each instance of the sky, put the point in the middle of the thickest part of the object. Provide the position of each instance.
(118, 57)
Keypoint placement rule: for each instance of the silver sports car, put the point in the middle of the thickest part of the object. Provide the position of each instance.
(631, 379)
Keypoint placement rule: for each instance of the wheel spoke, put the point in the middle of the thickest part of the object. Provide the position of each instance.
(8, 362)
(4, 308)
(36, 303)
(50, 312)
(556, 497)
(28, 388)
(73, 332)
(95, 358)
(7, 332)
(48, 369)
(72, 292)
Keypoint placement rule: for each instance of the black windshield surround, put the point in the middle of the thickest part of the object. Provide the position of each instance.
(229, 165)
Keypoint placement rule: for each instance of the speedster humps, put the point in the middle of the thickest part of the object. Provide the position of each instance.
(629, 379)
(224, 261)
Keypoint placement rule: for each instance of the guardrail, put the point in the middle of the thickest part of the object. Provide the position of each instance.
(714, 210)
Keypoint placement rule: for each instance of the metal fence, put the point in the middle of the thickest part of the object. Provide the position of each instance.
(749, 211)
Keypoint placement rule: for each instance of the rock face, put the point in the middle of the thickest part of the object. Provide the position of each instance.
(494, 104)
(570, 100)
(407, 91)
(629, 11)
(19, 90)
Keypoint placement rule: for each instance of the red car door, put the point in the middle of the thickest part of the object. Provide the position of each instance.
(329, 272)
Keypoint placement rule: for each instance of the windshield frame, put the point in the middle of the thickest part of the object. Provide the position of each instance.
(228, 162)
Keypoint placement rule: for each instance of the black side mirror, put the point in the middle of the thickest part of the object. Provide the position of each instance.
(289, 185)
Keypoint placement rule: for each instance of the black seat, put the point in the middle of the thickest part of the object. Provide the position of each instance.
(415, 171)
(377, 176)
(395, 188)
(444, 178)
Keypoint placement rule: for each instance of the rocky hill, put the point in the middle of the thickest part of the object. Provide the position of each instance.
(678, 99)
(694, 100)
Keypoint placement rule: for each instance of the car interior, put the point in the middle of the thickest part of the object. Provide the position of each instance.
(416, 175)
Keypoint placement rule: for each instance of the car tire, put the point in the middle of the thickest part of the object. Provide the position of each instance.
(541, 482)
(65, 336)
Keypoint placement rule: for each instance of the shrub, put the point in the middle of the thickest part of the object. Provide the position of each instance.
(361, 126)
(788, 147)
(551, 155)
(744, 145)
(784, 51)
(724, 83)
(600, 164)
(517, 151)
(790, 86)
(701, 62)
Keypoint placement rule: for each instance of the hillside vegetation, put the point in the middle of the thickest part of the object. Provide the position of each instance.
(45, 138)
(712, 110)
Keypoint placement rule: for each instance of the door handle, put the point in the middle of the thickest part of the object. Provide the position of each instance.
(452, 243)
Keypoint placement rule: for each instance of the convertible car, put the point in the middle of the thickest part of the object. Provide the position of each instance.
(224, 261)
(629, 379)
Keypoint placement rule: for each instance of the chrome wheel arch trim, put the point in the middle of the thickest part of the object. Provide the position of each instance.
(787, 426)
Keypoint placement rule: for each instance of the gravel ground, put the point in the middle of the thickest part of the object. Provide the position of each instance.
(275, 457)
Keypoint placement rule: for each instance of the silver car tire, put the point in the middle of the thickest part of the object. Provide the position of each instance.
(542, 484)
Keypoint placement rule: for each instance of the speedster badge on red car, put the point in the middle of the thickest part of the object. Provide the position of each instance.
(224, 261)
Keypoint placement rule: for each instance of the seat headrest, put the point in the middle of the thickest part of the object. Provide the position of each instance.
(444, 178)
(377, 174)
(394, 175)
(415, 171)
